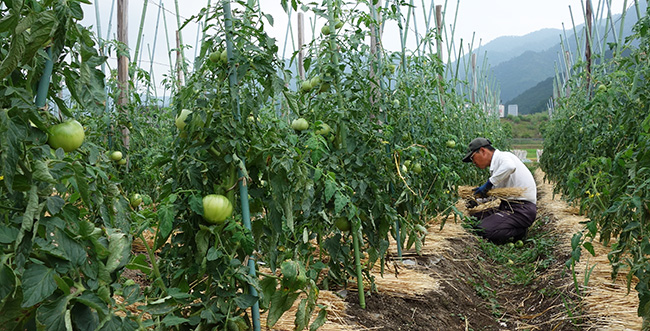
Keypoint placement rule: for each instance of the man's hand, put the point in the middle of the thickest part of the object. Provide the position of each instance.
(471, 204)
(482, 190)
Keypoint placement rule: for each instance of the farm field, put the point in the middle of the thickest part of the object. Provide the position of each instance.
(249, 188)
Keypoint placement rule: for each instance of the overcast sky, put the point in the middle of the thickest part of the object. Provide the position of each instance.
(487, 19)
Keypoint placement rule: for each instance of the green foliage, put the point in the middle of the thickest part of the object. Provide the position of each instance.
(597, 149)
(526, 126)
(67, 224)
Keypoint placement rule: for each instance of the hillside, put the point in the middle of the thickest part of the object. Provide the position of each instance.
(534, 99)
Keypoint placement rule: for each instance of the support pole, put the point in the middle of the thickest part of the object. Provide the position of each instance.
(301, 43)
(123, 63)
(243, 187)
(44, 83)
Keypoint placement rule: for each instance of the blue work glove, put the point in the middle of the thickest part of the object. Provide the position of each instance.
(482, 190)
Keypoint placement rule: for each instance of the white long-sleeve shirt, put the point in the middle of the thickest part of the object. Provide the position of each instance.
(506, 170)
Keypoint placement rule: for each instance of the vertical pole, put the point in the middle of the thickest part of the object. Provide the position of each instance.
(474, 78)
(179, 61)
(169, 53)
(152, 52)
(243, 188)
(139, 40)
(301, 42)
(179, 36)
(123, 63)
(44, 83)
(439, 50)
(588, 18)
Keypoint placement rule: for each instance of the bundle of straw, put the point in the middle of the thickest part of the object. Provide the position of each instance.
(467, 192)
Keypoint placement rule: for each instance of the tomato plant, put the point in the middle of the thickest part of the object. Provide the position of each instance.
(597, 150)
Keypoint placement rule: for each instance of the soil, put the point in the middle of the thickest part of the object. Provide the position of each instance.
(478, 294)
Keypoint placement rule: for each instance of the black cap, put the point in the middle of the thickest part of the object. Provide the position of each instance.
(474, 146)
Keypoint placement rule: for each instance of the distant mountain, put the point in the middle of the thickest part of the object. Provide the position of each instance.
(508, 47)
(534, 99)
(523, 66)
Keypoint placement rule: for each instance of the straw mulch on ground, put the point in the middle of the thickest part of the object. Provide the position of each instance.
(605, 301)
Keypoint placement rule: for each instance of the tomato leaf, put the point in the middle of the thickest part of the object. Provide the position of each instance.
(7, 234)
(38, 284)
(54, 204)
(91, 300)
(172, 320)
(119, 247)
(51, 316)
(340, 202)
(320, 319)
(140, 263)
(245, 300)
(28, 216)
(41, 172)
(330, 189)
(7, 282)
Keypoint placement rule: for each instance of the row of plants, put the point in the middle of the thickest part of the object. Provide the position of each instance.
(255, 192)
(597, 150)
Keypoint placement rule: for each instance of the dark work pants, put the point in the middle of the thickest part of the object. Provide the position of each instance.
(508, 222)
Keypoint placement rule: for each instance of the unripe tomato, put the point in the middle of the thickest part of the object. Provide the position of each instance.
(451, 143)
(116, 155)
(323, 129)
(305, 86)
(121, 162)
(224, 56)
(300, 124)
(136, 200)
(417, 168)
(68, 135)
(325, 30)
(216, 208)
(180, 120)
(343, 224)
(215, 57)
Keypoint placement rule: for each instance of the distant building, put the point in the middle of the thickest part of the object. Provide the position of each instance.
(513, 110)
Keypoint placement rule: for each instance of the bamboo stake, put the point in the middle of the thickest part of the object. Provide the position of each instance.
(243, 188)
(151, 54)
(179, 37)
(123, 63)
(179, 61)
(169, 47)
(619, 44)
(139, 40)
(301, 44)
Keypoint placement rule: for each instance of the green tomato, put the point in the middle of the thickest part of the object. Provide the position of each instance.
(315, 81)
(325, 30)
(338, 24)
(68, 135)
(323, 129)
(407, 163)
(136, 200)
(305, 86)
(451, 143)
(180, 120)
(300, 124)
(392, 68)
(224, 56)
(519, 244)
(121, 162)
(417, 168)
(215, 57)
(116, 155)
(343, 224)
(216, 208)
